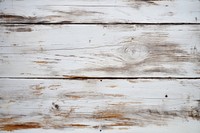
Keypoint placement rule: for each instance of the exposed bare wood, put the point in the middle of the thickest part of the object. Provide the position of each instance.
(100, 11)
(85, 66)
(71, 51)
(94, 105)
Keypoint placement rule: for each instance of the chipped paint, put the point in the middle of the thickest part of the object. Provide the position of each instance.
(125, 65)
(20, 126)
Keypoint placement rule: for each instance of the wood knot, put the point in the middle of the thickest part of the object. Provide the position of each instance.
(133, 52)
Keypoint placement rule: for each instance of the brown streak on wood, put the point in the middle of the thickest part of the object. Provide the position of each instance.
(76, 125)
(108, 114)
(5, 120)
(112, 86)
(78, 13)
(9, 17)
(20, 126)
(73, 96)
(89, 95)
(114, 95)
(41, 62)
(20, 29)
(75, 77)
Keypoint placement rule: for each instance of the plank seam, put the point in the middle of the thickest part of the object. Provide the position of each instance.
(85, 78)
(64, 23)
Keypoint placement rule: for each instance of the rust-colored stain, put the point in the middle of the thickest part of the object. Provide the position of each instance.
(75, 77)
(76, 125)
(108, 115)
(121, 124)
(41, 62)
(6, 120)
(73, 96)
(20, 126)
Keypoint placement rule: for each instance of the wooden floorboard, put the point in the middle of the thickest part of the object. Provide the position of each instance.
(94, 105)
(100, 11)
(66, 51)
(87, 66)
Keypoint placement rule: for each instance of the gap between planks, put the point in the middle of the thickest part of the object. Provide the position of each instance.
(66, 77)
(115, 23)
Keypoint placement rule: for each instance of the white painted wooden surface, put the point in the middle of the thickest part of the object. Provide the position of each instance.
(100, 66)
(100, 11)
(106, 105)
(100, 50)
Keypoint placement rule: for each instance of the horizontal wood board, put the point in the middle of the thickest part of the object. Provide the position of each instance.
(87, 66)
(99, 105)
(100, 11)
(99, 51)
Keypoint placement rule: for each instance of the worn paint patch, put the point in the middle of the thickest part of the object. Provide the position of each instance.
(108, 115)
(10, 17)
(89, 95)
(20, 126)
(20, 29)
(5, 120)
(37, 89)
(44, 62)
(76, 125)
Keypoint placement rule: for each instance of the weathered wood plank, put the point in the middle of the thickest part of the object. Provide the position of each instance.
(100, 11)
(99, 50)
(94, 105)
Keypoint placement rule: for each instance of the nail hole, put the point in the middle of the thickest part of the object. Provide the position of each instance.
(166, 96)
(56, 106)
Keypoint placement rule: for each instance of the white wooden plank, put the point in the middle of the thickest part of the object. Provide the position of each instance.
(99, 50)
(94, 105)
(100, 11)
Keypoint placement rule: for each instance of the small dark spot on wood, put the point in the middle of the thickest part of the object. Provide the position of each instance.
(56, 106)
(166, 96)
(100, 130)
(101, 80)
(196, 18)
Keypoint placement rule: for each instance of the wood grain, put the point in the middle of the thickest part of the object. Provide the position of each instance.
(68, 51)
(99, 105)
(100, 11)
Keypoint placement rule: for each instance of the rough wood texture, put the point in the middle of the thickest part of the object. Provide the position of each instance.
(100, 105)
(100, 50)
(113, 66)
(100, 11)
